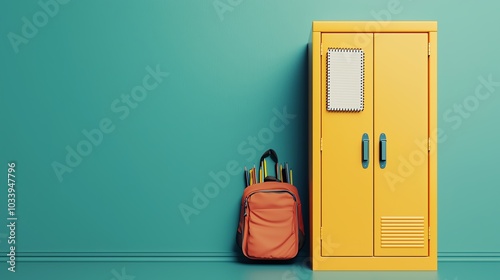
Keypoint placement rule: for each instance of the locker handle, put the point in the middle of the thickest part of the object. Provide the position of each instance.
(365, 158)
(383, 150)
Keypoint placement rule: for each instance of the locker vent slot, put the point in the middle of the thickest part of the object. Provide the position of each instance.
(402, 232)
(345, 79)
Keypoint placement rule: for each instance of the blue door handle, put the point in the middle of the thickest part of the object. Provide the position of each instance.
(383, 150)
(365, 158)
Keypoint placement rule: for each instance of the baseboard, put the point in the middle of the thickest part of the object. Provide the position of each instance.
(124, 257)
(469, 256)
(202, 257)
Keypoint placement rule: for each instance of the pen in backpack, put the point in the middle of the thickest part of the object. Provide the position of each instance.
(246, 177)
(254, 174)
(277, 169)
(260, 172)
(265, 169)
(281, 172)
(251, 178)
(291, 177)
(283, 176)
(287, 175)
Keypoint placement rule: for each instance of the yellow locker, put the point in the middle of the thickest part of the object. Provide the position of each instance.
(373, 169)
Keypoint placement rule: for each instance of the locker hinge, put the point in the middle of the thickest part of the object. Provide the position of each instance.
(429, 49)
(429, 145)
(321, 144)
(429, 233)
(321, 51)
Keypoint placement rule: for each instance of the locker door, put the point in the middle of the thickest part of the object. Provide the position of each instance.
(401, 113)
(347, 186)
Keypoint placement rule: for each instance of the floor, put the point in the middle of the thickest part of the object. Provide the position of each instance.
(232, 271)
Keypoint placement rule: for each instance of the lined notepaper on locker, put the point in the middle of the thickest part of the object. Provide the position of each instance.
(345, 80)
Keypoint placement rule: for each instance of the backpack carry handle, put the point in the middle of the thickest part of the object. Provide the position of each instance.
(271, 153)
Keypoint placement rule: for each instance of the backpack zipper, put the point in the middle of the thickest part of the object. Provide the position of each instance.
(268, 191)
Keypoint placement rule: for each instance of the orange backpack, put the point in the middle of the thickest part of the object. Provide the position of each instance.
(271, 225)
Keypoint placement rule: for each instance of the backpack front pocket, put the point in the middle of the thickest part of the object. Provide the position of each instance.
(272, 231)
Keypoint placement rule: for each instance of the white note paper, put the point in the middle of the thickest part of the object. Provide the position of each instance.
(345, 80)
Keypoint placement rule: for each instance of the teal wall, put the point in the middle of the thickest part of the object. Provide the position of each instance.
(236, 84)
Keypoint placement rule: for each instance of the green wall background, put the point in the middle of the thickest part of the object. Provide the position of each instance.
(234, 68)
